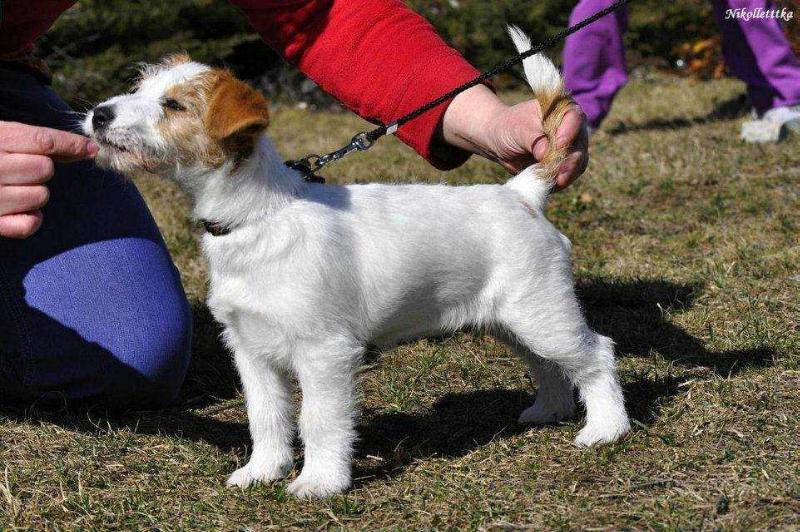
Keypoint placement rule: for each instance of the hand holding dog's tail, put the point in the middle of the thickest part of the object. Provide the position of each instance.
(535, 182)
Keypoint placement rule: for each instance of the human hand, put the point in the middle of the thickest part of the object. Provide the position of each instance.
(478, 121)
(27, 157)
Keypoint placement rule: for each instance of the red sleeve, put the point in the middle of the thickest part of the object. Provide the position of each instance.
(377, 57)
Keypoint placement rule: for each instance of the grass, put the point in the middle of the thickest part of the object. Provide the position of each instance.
(686, 252)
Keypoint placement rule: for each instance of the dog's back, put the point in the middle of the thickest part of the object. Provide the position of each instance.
(433, 258)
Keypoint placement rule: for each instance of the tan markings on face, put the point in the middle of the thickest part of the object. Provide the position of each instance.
(184, 130)
(220, 121)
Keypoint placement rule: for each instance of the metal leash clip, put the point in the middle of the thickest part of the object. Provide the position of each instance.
(306, 167)
(311, 164)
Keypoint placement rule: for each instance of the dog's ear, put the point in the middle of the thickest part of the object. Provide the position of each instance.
(236, 115)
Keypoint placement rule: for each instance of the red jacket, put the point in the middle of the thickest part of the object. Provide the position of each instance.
(377, 57)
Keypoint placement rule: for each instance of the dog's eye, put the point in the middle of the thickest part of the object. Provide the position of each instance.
(173, 104)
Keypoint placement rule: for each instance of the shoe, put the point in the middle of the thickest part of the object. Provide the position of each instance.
(785, 116)
(773, 125)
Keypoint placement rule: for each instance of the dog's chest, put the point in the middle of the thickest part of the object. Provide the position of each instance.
(263, 304)
(246, 327)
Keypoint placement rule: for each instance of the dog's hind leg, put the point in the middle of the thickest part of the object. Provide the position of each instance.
(327, 377)
(553, 327)
(600, 391)
(555, 399)
(267, 391)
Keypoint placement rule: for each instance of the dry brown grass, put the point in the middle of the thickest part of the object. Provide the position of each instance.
(685, 249)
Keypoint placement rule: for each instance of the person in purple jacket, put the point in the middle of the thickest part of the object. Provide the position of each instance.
(754, 47)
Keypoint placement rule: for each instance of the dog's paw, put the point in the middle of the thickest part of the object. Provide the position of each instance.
(552, 411)
(316, 486)
(597, 433)
(259, 472)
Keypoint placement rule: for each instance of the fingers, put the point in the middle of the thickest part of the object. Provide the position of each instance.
(527, 124)
(569, 135)
(27, 155)
(20, 225)
(572, 167)
(20, 199)
(60, 145)
(24, 169)
(570, 128)
(540, 147)
(572, 134)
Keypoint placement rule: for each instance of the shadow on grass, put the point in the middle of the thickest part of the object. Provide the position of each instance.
(633, 313)
(726, 110)
(458, 423)
(455, 424)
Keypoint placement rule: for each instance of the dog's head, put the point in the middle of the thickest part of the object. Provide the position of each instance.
(182, 118)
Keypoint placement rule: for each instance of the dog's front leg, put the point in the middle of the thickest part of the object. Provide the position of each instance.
(327, 419)
(267, 391)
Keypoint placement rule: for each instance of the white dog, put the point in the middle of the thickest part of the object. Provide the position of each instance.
(305, 275)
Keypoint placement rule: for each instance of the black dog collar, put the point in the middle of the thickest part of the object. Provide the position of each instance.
(215, 228)
(219, 229)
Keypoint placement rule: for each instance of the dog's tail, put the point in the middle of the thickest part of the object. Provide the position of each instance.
(535, 182)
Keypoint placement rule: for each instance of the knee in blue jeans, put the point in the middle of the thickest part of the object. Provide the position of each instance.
(150, 369)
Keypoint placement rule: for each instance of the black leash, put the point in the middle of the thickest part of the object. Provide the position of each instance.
(310, 164)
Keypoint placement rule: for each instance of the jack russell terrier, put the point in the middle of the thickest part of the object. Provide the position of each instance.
(305, 275)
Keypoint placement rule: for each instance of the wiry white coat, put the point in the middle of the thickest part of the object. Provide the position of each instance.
(311, 274)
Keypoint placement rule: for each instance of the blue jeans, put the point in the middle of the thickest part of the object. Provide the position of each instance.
(91, 306)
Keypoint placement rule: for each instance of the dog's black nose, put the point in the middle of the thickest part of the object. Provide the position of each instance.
(102, 116)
